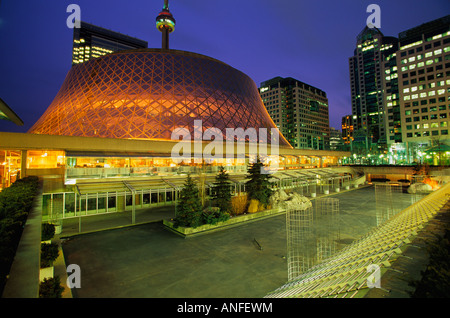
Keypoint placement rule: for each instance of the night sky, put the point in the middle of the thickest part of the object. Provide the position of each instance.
(308, 40)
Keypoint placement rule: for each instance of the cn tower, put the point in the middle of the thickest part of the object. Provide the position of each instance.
(165, 23)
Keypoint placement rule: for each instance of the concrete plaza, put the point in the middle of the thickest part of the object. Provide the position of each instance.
(149, 261)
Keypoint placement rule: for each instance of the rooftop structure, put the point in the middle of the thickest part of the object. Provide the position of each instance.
(91, 41)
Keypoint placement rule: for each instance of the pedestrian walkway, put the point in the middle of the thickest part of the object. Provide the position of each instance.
(107, 221)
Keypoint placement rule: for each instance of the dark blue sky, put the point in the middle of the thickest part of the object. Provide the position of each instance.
(307, 40)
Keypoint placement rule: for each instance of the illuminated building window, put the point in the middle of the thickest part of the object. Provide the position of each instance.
(45, 159)
(10, 164)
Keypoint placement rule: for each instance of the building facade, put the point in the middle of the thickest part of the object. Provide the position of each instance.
(336, 141)
(347, 130)
(90, 41)
(366, 71)
(424, 86)
(299, 110)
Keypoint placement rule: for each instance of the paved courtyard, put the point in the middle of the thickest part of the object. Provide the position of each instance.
(150, 261)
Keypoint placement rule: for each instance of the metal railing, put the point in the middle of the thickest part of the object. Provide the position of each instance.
(66, 205)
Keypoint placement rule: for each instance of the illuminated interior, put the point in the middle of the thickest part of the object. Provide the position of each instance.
(10, 162)
(43, 159)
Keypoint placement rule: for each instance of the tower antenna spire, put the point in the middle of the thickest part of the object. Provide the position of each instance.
(165, 23)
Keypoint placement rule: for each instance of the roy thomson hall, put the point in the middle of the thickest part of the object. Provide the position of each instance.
(105, 143)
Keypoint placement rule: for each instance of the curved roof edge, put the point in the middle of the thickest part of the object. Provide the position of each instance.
(7, 113)
(165, 51)
(172, 51)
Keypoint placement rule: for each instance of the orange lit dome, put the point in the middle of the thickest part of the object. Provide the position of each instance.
(147, 93)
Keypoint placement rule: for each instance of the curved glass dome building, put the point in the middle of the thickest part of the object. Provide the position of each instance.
(147, 93)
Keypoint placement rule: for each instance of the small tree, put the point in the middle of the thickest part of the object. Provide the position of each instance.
(189, 208)
(221, 191)
(258, 185)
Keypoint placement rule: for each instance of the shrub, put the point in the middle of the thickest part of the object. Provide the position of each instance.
(15, 204)
(48, 231)
(49, 252)
(255, 206)
(213, 216)
(239, 204)
(51, 288)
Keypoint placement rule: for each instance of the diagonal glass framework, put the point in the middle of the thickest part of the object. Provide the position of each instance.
(147, 93)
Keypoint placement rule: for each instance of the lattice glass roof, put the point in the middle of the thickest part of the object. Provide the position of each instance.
(147, 93)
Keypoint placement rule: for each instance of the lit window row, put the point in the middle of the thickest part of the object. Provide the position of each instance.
(428, 39)
(422, 95)
(421, 64)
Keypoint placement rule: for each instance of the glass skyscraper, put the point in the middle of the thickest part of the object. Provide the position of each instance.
(366, 71)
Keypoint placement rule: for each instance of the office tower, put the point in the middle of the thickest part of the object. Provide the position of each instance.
(90, 41)
(336, 141)
(392, 118)
(299, 110)
(347, 130)
(366, 68)
(424, 85)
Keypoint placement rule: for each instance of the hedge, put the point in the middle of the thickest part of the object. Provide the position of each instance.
(15, 204)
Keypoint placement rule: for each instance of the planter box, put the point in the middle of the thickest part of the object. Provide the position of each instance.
(47, 272)
(58, 229)
(234, 221)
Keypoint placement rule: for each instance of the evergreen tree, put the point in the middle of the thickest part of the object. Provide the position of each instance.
(189, 210)
(221, 191)
(258, 186)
